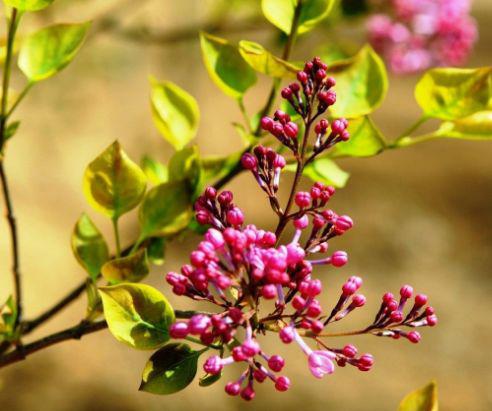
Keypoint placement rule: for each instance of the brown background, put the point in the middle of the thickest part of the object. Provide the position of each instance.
(423, 216)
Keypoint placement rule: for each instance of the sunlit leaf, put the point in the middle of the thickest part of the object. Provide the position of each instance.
(50, 49)
(132, 268)
(156, 250)
(281, 13)
(175, 113)
(94, 301)
(88, 245)
(365, 140)
(478, 126)
(186, 165)
(137, 315)
(28, 5)
(209, 379)
(361, 86)
(11, 130)
(166, 209)
(424, 399)
(170, 369)
(453, 93)
(114, 184)
(265, 62)
(155, 171)
(225, 66)
(217, 167)
(325, 171)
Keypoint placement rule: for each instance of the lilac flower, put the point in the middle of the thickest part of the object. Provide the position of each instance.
(418, 34)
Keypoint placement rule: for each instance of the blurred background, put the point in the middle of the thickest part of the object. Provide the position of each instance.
(423, 216)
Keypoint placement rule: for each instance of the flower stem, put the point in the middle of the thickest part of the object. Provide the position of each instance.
(116, 237)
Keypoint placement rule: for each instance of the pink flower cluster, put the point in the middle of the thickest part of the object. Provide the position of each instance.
(261, 284)
(417, 34)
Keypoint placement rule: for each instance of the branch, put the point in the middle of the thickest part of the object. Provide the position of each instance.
(72, 333)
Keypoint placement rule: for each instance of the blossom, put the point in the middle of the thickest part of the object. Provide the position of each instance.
(418, 34)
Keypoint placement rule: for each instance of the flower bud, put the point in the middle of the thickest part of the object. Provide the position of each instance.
(249, 161)
(339, 258)
(178, 330)
(276, 363)
(286, 334)
(282, 383)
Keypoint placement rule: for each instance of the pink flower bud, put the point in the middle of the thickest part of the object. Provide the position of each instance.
(358, 300)
(178, 330)
(248, 393)
(286, 334)
(233, 388)
(431, 320)
(330, 82)
(213, 365)
(344, 223)
(235, 217)
(339, 258)
(215, 237)
(286, 93)
(225, 198)
(406, 291)
(249, 161)
(320, 74)
(269, 291)
(421, 300)
(303, 199)
(302, 77)
(259, 375)
(211, 193)
(291, 130)
(276, 363)
(396, 316)
(301, 223)
(199, 323)
(366, 361)
(317, 326)
(282, 383)
(266, 123)
(238, 354)
(321, 362)
(414, 337)
(298, 302)
(388, 297)
(349, 351)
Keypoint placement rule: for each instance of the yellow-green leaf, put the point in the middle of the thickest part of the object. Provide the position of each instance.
(478, 126)
(50, 49)
(155, 171)
(166, 209)
(156, 250)
(324, 170)
(88, 245)
(132, 268)
(114, 184)
(170, 369)
(362, 84)
(175, 113)
(365, 140)
(186, 165)
(265, 62)
(424, 399)
(226, 66)
(28, 5)
(453, 93)
(137, 314)
(281, 13)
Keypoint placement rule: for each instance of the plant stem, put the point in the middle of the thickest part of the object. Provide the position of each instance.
(14, 244)
(19, 99)
(116, 237)
(411, 129)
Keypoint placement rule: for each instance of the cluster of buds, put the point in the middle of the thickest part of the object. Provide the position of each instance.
(266, 165)
(309, 97)
(218, 210)
(239, 267)
(418, 34)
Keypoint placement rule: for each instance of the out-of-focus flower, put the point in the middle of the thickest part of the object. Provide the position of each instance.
(418, 34)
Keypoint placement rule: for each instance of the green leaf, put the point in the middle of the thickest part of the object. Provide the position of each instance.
(424, 399)
(365, 140)
(94, 301)
(9, 315)
(155, 171)
(362, 84)
(28, 5)
(166, 209)
(281, 13)
(453, 93)
(50, 49)
(11, 130)
(132, 268)
(88, 245)
(265, 62)
(217, 167)
(478, 126)
(137, 314)
(186, 165)
(170, 369)
(175, 113)
(156, 250)
(325, 171)
(113, 184)
(209, 379)
(225, 66)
